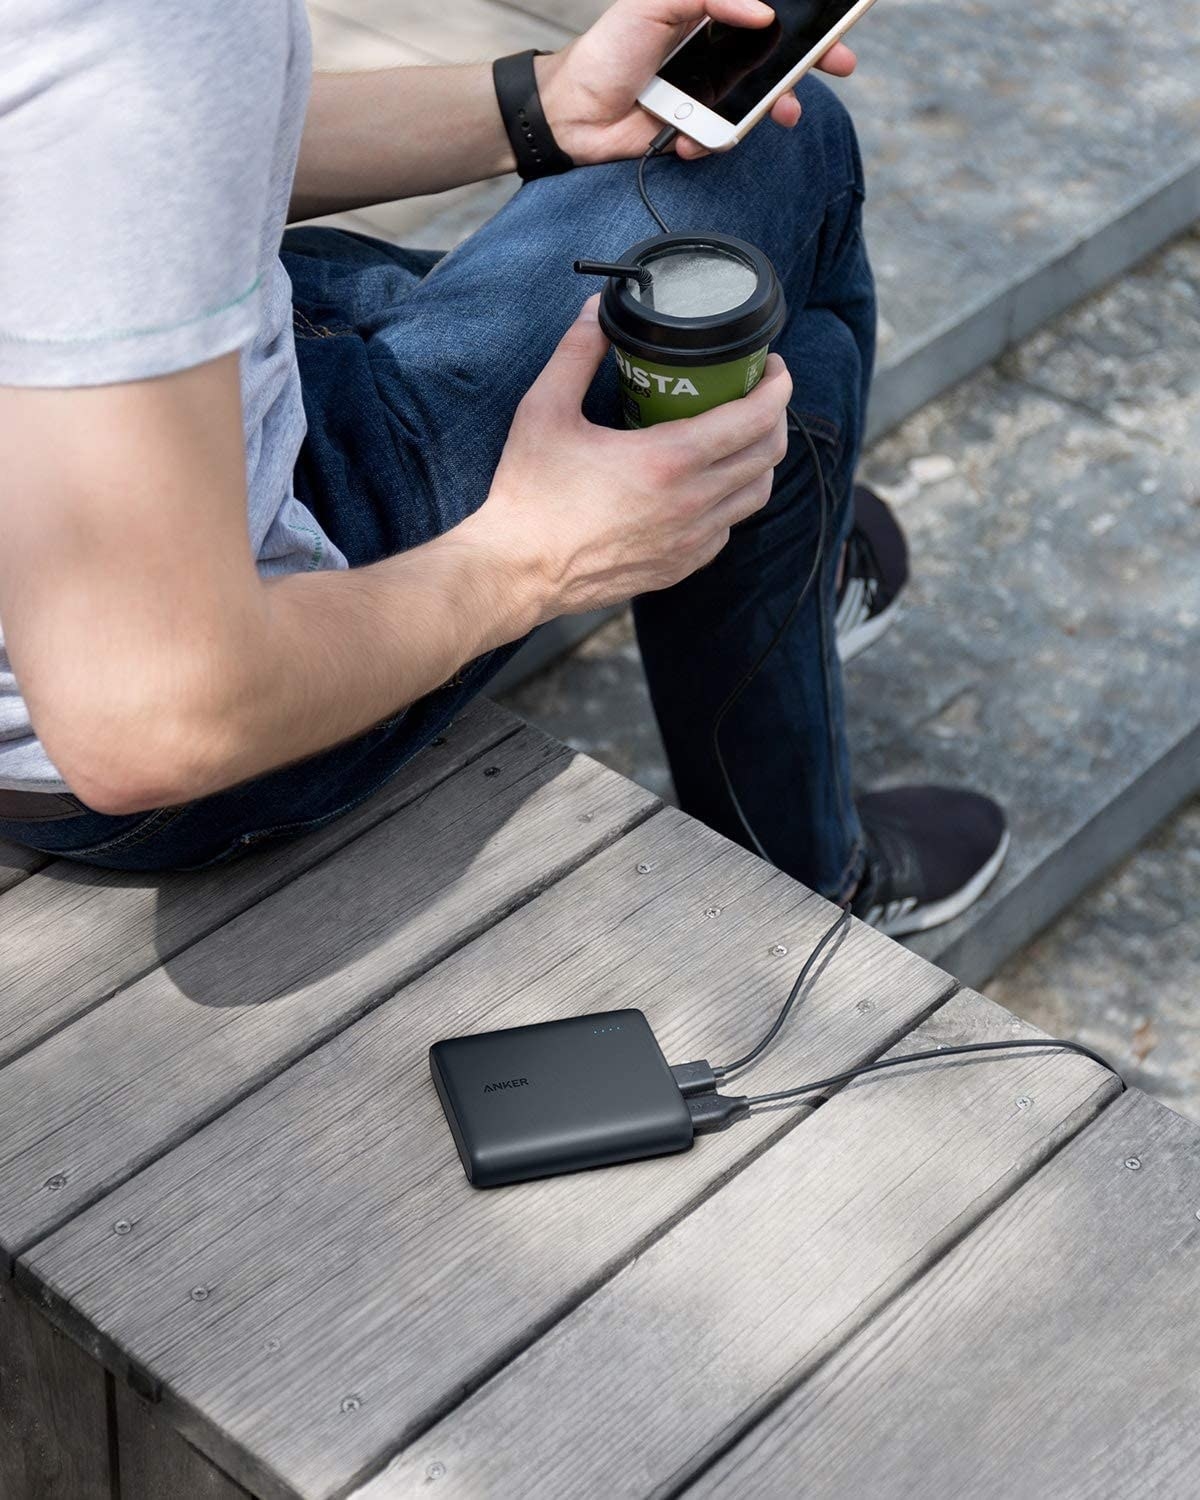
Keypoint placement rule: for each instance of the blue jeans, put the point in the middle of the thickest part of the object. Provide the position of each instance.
(412, 366)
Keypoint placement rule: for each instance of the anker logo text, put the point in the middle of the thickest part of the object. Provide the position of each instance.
(506, 1083)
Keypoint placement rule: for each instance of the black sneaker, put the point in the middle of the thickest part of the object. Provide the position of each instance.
(873, 575)
(931, 852)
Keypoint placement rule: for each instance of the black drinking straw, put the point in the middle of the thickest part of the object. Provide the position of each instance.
(613, 268)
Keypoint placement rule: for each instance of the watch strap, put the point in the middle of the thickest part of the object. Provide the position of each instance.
(538, 154)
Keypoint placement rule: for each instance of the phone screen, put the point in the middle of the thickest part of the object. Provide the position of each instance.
(731, 68)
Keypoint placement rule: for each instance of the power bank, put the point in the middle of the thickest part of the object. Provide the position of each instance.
(533, 1101)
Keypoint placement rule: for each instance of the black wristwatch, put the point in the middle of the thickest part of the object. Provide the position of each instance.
(538, 154)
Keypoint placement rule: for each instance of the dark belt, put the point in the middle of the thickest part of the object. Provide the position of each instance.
(38, 807)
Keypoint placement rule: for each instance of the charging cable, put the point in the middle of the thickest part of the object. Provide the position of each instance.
(698, 1081)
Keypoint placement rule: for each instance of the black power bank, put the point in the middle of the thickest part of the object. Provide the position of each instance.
(533, 1101)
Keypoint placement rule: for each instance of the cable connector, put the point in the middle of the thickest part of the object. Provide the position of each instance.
(694, 1078)
(664, 138)
(716, 1112)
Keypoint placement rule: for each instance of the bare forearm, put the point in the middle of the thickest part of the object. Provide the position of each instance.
(341, 651)
(396, 133)
(354, 648)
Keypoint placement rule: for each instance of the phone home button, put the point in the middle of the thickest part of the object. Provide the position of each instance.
(683, 111)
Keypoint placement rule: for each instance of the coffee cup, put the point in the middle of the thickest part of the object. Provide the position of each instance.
(692, 328)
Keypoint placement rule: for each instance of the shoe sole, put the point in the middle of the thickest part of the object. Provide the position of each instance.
(857, 640)
(922, 918)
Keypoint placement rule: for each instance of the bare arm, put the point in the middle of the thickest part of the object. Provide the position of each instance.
(159, 667)
(395, 133)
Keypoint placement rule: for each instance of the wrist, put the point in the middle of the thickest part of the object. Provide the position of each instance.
(513, 589)
(560, 103)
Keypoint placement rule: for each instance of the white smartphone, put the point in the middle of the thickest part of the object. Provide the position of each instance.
(722, 80)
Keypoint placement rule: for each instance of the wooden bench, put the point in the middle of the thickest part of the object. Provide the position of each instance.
(244, 1257)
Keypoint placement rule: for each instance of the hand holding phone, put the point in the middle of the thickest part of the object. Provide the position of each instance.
(590, 88)
(722, 79)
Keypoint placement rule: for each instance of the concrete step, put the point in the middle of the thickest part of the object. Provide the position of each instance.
(1048, 646)
(1048, 654)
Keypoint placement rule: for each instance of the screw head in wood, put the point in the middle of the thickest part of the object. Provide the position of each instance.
(1133, 1162)
(55, 1183)
(491, 770)
(435, 1471)
(779, 950)
(122, 1226)
(199, 1294)
(644, 867)
(587, 817)
(712, 911)
(1024, 1102)
(272, 1346)
(864, 1006)
(439, 740)
(351, 1403)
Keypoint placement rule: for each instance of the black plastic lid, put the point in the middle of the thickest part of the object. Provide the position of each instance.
(639, 329)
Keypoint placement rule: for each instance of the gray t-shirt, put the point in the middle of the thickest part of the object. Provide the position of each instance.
(147, 149)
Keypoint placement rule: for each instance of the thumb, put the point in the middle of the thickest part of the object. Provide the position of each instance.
(572, 367)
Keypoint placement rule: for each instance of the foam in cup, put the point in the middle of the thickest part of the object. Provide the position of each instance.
(696, 283)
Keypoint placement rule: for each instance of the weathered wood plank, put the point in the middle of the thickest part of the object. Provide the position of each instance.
(156, 1464)
(17, 863)
(53, 1412)
(342, 1252)
(343, 42)
(71, 936)
(678, 1352)
(84, 1109)
(1053, 1352)
(466, 31)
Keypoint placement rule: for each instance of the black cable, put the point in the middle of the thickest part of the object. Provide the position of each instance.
(657, 145)
(936, 1055)
(650, 208)
(827, 937)
(712, 1111)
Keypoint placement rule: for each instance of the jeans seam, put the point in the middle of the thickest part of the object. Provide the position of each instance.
(799, 249)
(155, 822)
(852, 872)
(247, 841)
(312, 330)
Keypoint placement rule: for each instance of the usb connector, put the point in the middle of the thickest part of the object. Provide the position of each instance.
(716, 1111)
(694, 1078)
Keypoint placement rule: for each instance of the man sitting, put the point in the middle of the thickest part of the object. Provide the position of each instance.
(271, 518)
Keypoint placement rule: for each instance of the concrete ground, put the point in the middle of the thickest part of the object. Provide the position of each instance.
(1121, 969)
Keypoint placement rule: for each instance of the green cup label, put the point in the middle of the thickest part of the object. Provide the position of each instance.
(653, 393)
